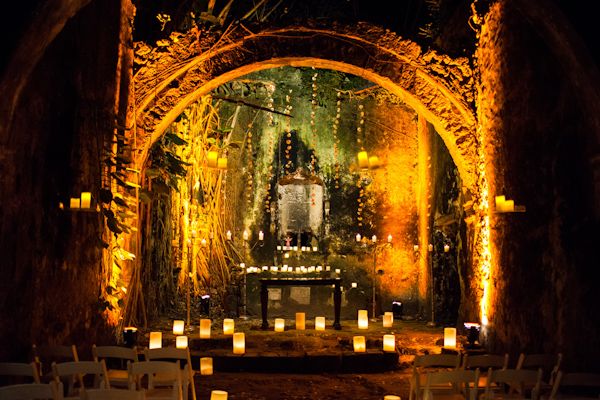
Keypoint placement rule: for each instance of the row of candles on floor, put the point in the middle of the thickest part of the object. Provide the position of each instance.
(286, 268)
(222, 395)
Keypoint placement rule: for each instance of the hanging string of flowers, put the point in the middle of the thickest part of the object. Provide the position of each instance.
(270, 90)
(336, 141)
(359, 133)
(288, 140)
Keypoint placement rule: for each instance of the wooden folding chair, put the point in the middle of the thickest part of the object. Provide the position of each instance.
(464, 385)
(77, 372)
(424, 363)
(507, 378)
(173, 354)
(44, 356)
(576, 386)
(114, 394)
(170, 377)
(484, 363)
(18, 373)
(32, 391)
(117, 357)
(549, 363)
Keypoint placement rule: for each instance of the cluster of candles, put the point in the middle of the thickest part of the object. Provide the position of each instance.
(84, 201)
(296, 248)
(373, 238)
(286, 268)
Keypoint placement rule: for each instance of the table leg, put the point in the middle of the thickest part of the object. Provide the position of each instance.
(264, 303)
(337, 304)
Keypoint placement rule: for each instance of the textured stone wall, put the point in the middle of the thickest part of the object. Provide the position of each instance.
(539, 142)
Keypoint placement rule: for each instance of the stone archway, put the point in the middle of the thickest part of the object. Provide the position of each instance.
(439, 88)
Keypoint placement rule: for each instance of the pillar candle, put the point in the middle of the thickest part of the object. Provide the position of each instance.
(181, 342)
(389, 397)
(359, 344)
(239, 343)
(387, 321)
(206, 366)
(212, 159)
(374, 238)
(389, 343)
(373, 162)
(155, 340)
(74, 203)
(300, 321)
(205, 328)
(218, 395)
(279, 325)
(358, 237)
(363, 319)
(222, 163)
(178, 327)
(228, 326)
(228, 235)
(449, 337)
(320, 323)
(261, 235)
(391, 314)
(86, 200)
(245, 235)
(363, 160)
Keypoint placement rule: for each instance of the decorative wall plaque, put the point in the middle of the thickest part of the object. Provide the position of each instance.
(300, 294)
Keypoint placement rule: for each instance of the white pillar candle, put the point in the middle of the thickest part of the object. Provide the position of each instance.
(206, 366)
(389, 238)
(181, 342)
(155, 340)
(446, 248)
(358, 237)
(320, 323)
(360, 345)
(389, 343)
(228, 326)
(205, 328)
(279, 325)
(178, 327)
(430, 247)
(218, 395)
(416, 247)
(245, 235)
(228, 235)
(86, 200)
(363, 319)
(338, 271)
(300, 321)
(449, 337)
(74, 203)
(239, 343)
(354, 284)
(327, 268)
(391, 314)
(387, 321)
(315, 248)
(261, 235)
(374, 238)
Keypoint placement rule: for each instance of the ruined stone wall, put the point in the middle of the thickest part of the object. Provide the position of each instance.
(539, 140)
(50, 265)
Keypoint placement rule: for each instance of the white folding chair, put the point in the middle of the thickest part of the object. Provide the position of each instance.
(549, 363)
(484, 363)
(464, 385)
(507, 378)
(114, 394)
(17, 373)
(576, 386)
(32, 391)
(173, 354)
(44, 356)
(77, 372)
(165, 370)
(118, 355)
(424, 363)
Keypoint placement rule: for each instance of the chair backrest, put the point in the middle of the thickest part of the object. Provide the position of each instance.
(580, 383)
(15, 372)
(114, 394)
(461, 380)
(32, 391)
(44, 356)
(514, 376)
(150, 368)
(169, 354)
(550, 364)
(76, 371)
(436, 360)
(117, 352)
(483, 362)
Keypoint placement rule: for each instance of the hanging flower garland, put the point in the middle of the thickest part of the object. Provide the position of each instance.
(250, 165)
(359, 133)
(270, 90)
(288, 140)
(336, 141)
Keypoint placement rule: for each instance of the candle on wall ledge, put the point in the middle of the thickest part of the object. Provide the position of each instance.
(74, 203)
(228, 326)
(360, 345)
(363, 160)
(389, 343)
(155, 340)
(178, 326)
(228, 235)
(389, 238)
(358, 237)
(181, 342)
(86, 200)
(222, 163)
(374, 238)
(261, 235)
(300, 321)
(320, 323)
(205, 328)
(245, 235)
(279, 324)
(430, 247)
(363, 319)
(206, 366)
(239, 343)
(387, 321)
(446, 248)
(212, 159)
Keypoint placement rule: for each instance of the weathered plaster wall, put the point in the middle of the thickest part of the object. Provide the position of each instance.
(540, 140)
(50, 269)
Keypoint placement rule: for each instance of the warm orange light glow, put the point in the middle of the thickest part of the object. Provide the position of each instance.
(389, 342)
(178, 327)
(279, 325)
(360, 345)
(206, 366)
(205, 328)
(363, 160)
(300, 321)
(388, 321)
(239, 343)
(228, 326)
(155, 340)
(320, 323)
(449, 337)
(363, 319)
(181, 342)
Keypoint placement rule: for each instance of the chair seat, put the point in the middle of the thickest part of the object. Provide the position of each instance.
(440, 386)
(159, 394)
(118, 377)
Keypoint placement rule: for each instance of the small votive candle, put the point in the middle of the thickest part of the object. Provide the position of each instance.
(181, 342)
(387, 321)
(360, 345)
(279, 325)
(354, 284)
(206, 366)
(300, 321)
(338, 271)
(74, 203)
(239, 343)
(178, 327)
(205, 328)
(449, 337)
(218, 395)
(155, 340)
(320, 323)
(228, 326)
(363, 319)
(389, 343)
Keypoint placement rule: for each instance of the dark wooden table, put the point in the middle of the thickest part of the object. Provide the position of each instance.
(337, 294)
